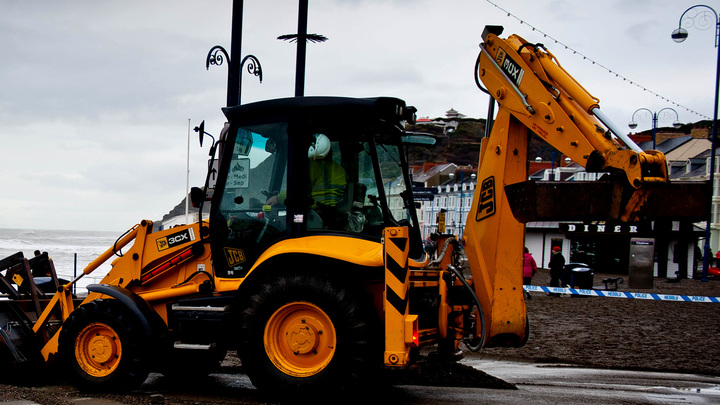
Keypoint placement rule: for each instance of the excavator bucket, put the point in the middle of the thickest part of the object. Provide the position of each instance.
(607, 201)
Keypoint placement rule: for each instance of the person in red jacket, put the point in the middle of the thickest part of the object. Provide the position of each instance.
(557, 264)
(529, 268)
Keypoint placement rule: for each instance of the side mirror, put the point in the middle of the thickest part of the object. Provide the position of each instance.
(200, 129)
(197, 196)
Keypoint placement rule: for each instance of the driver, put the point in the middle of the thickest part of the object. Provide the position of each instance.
(327, 181)
(327, 178)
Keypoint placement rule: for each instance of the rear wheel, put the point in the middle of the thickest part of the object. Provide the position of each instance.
(304, 332)
(103, 346)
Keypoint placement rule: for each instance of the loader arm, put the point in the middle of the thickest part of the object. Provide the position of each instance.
(534, 93)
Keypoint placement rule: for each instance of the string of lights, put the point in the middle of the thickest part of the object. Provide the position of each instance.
(587, 58)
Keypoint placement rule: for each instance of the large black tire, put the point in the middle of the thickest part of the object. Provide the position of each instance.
(105, 347)
(303, 332)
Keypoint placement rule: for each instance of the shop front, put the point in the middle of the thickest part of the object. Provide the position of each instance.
(604, 247)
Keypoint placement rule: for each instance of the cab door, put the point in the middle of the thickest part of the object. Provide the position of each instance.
(248, 212)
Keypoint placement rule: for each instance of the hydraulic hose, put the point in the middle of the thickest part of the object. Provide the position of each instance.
(458, 246)
(481, 314)
(444, 249)
(190, 277)
(477, 79)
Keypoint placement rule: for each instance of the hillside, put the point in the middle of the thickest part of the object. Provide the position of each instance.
(462, 145)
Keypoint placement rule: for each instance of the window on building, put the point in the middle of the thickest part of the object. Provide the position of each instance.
(443, 202)
(451, 203)
(707, 166)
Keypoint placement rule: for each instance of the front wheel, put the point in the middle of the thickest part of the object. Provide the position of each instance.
(304, 332)
(103, 347)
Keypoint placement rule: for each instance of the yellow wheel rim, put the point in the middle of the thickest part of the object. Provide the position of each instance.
(98, 349)
(300, 339)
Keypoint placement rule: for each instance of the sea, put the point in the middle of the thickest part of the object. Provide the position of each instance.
(70, 251)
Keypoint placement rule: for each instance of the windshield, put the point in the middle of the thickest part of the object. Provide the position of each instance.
(393, 181)
(396, 189)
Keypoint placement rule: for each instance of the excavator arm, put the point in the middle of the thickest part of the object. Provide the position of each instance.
(528, 81)
(534, 93)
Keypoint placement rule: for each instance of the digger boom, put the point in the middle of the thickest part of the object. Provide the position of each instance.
(535, 93)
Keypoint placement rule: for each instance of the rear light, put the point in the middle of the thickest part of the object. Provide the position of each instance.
(412, 334)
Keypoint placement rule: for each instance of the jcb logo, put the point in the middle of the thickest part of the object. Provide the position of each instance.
(234, 256)
(486, 205)
(175, 239)
(500, 56)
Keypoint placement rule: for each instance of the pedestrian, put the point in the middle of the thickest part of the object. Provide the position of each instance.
(556, 265)
(529, 269)
(431, 245)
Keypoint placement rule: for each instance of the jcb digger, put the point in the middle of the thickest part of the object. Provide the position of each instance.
(301, 266)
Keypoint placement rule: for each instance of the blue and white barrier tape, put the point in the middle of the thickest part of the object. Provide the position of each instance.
(621, 294)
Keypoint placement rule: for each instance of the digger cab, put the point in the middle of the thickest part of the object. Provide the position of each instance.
(297, 167)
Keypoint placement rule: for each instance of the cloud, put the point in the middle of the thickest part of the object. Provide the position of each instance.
(96, 96)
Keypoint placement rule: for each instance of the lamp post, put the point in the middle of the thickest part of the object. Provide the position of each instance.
(655, 116)
(302, 38)
(702, 20)
(218, 55)
(551, 176)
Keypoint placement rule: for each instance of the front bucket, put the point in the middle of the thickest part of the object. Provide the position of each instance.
(607, 201)
(18, 346)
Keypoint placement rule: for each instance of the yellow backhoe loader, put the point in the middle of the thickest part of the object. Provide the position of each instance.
(301, 265)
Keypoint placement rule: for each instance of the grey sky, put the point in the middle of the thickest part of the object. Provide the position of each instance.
(95, 96)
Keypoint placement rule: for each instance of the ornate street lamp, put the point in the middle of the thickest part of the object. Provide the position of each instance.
(643, 115)
(701, 20)
(218, 55)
